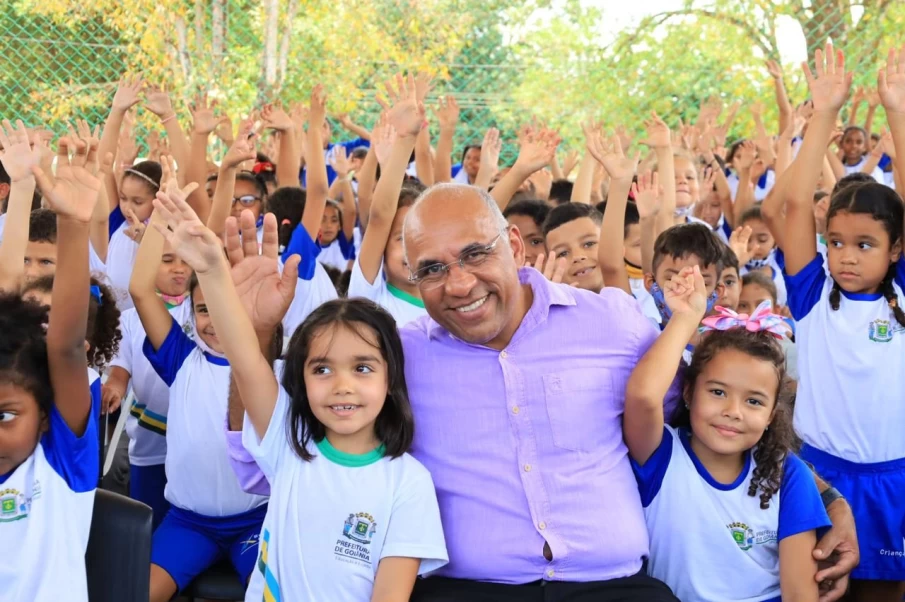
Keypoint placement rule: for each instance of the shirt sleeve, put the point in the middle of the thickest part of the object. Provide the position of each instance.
(351, 145)
(800, 506)
(167, 360)
(359, 285)
(415, 530)
(76, 459)
(805, 288)
(251, 478)
(301, 244)
(900, 272)
(268, 452)
(116, 220)
(650, 475)
(346, 246)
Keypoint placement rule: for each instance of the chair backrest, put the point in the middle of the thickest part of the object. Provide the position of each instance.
(118, 559)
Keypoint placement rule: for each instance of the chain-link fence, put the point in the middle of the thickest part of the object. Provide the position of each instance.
(505, 61)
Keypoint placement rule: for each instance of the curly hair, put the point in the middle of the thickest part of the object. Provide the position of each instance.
(23, 348)
(779, 438)
(102, 329)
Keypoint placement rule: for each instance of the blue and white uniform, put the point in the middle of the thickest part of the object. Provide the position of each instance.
(761, 190)
(210, 516)
(333, 519)
(877, 174)
(775, 262)
(121, 254)
(849, 409)
(338, 253)
(401, 305)
(712, 541)
(46, 505)
(314, 286)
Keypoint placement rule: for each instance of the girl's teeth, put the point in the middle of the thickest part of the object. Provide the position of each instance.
(472, 306)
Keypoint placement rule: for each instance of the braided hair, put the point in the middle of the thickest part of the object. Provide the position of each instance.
(884, 205)
(779, 438)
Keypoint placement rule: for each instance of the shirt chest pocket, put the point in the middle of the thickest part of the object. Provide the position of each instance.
(579, 404)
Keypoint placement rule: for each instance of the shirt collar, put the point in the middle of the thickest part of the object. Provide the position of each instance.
(546, 294)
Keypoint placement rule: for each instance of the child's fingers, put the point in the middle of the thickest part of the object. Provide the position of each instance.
(233, 242)
(271, 242)
(249, 233)
(559, 270)
(539, 263)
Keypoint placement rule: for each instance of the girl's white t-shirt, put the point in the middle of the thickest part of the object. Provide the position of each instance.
(402, 306)
(332, 520)
(121, 254)
(877, 174)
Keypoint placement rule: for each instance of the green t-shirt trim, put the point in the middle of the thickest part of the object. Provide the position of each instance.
(407, 297)
(350, 460)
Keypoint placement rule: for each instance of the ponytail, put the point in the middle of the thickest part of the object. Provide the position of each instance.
(835, 296)
(889, 293)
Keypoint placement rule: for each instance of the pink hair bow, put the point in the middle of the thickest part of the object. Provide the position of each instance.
(761, 319)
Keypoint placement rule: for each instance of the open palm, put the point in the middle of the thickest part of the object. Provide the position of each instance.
(191, 240)
(76, 187)
(18, 156)
(891, 83)
(831, 85)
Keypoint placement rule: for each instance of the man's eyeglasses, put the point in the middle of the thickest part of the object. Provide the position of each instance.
(247, 200)
(434, 275)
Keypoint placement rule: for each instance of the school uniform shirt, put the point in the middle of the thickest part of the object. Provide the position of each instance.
(199, 476)
(146, 423)
(877, 174)
(46, 505)
(338, 253)
(401, 305)
(851, 363)
(314, 286)
(712, 541)
(645, 301)
(776, 268)
(761, 189)
(121, 253)
(331, 520)
(349, 145)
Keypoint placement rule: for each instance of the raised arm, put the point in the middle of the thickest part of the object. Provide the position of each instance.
(447, 112)
(584, 181)
(243, 149)
(829, 91)
(744, 198)
(642, 423)
(204, 122)
(782, 98)
(490, 159)
(353, 127)
(158, 102)
(647, 198)
(891, 87)
(342, 189)
(99, 235)
(318, 188)
(289, 166)
(18, 158)
(72, 197)
(659, 138)
(534, 153)
(127, 96)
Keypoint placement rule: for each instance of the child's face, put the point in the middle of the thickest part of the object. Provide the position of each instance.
(531, 235)
(752, 296)
(472, 162)
(577, 241)
(687, 188)
(173, 274)
(761, 242)
(671, 266)
(393, 258)
(210, 187)
(330, 225)
(710, 210)
(731, 404)
(40, 260)
(859, 251)
(346, 382)
(633, 245)
(249, 197)
(731, 289)
(355, 163)
(854, 146)
(21, 425)
(137, 195)
(203, 323)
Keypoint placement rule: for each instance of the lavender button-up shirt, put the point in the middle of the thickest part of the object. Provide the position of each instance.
(525, 445)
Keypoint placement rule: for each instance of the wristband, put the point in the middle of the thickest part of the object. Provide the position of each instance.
(829, 496)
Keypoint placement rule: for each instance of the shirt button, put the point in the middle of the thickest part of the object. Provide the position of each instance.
(503, 354)
(542, 526)
(527, 468)
(515, 409)
(550, 573)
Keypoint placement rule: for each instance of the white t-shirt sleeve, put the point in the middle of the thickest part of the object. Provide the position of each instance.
(268, 452)
(359, 285)
(415, 530)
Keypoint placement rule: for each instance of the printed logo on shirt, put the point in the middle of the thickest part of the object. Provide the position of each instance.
(249, 544)
(13, 505)
(746, 538)
(879, 331)
(359, 530)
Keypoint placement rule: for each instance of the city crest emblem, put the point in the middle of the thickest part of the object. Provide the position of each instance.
(360, 527)
(12, 505)
(880, 331)
(743, 535)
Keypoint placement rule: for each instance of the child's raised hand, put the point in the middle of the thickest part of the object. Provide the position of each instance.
(658, 133)
(243, 149)
(190, 239)
(317, 110)
(537, 149)
(383, 139)
(339, 161)
(74, 191)
(830, 85)
(18, 156)
(746, 153)
(569, 163)
(685, 293)
(204, 117)
(774, 69)
(423, 85)
(447, 112)
(404, 111)
(542, 181)
(265, 294)
(707, 180)
(490, 150)
(158, 102)
(128, 93)
(275, 118)
(891, 82)
(611, 156)
(646, 192)
(738, 242)
(136, 228)
(552, 268)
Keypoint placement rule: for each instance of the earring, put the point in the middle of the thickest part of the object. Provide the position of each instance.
(767, 429)
(686, 406)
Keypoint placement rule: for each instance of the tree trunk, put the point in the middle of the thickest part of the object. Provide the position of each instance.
(284, 42)
(199, 30)
(218, 34)
(182, 48)
(271, 36)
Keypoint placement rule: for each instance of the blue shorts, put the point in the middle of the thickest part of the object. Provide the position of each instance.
(186, 544)
(876, 493)
(146, 485)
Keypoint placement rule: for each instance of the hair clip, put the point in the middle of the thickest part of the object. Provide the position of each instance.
(136, 173)
(95, 291)
(761, 320)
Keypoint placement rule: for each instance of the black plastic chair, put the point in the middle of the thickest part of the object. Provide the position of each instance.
(118, 558)
(220, 582)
